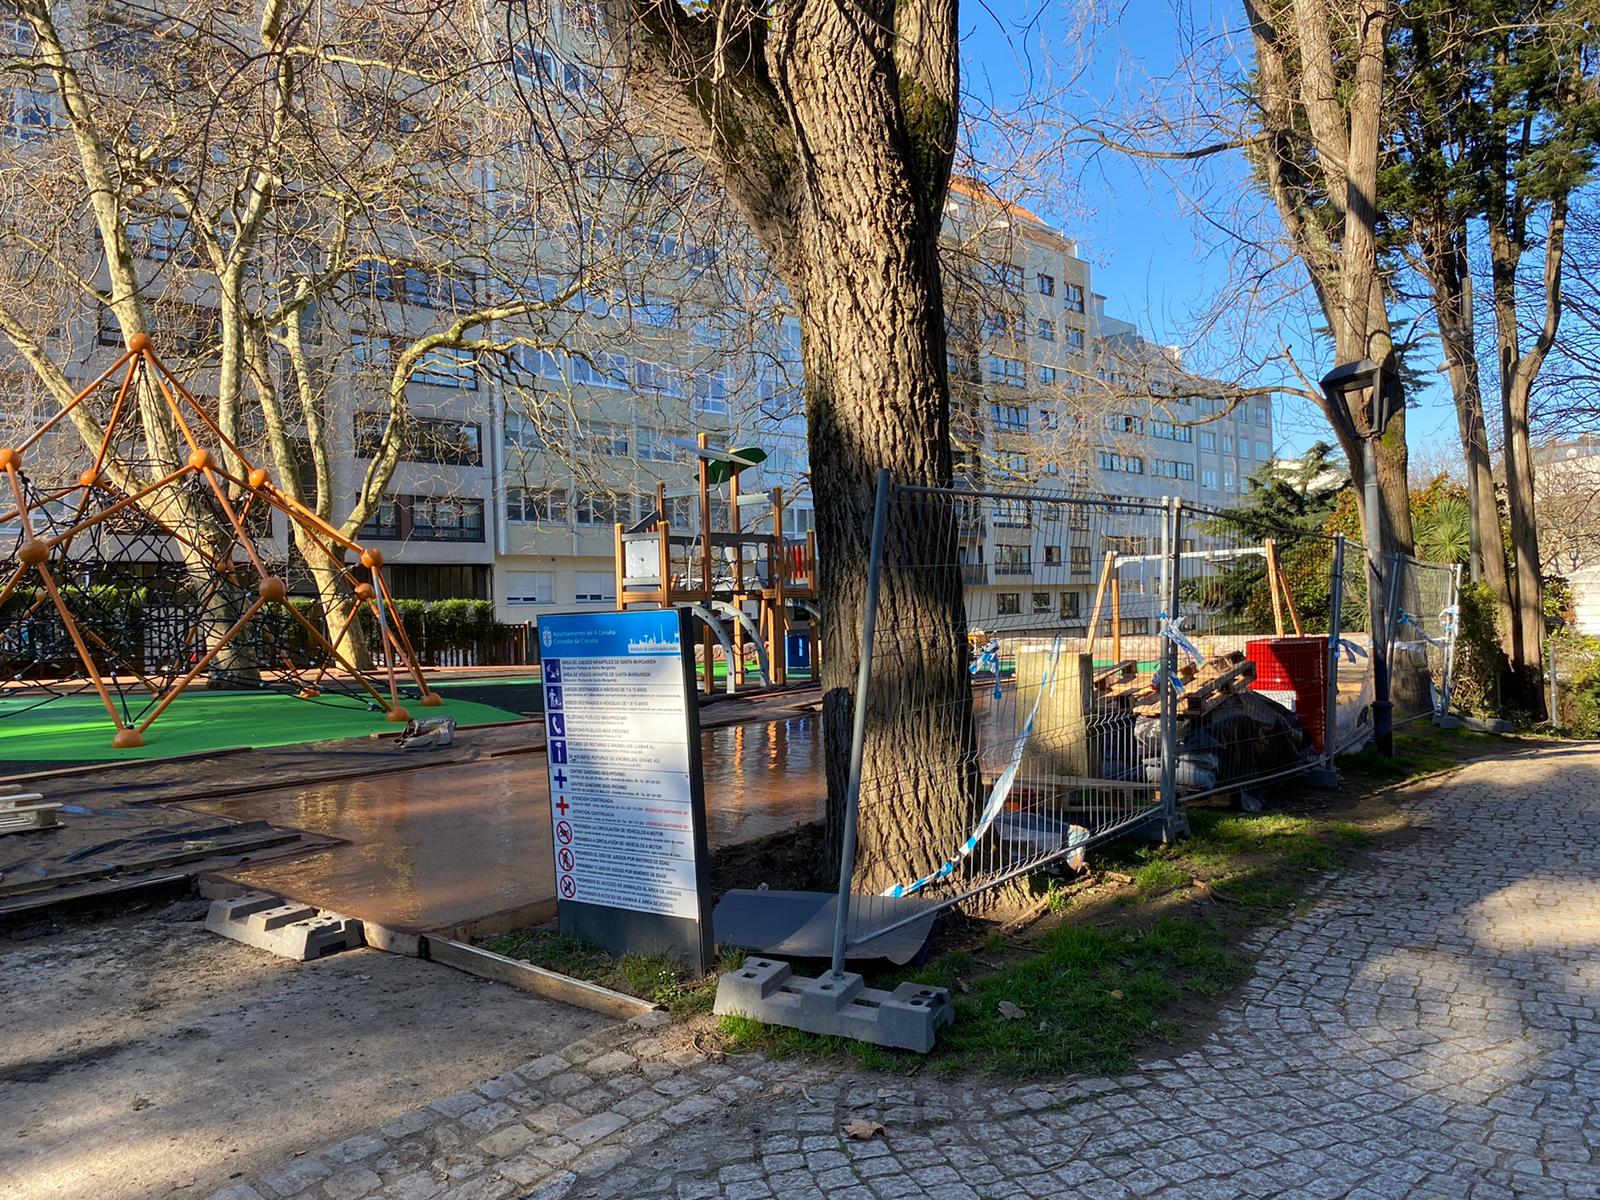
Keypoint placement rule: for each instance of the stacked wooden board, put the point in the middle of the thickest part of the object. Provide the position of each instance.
(26, 810)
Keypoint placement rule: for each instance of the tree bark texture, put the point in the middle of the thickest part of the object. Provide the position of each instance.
(1443, 246)
(1321, 120)
(833, 129)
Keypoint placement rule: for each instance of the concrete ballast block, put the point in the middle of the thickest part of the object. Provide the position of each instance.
(767, 990)
(290, 930)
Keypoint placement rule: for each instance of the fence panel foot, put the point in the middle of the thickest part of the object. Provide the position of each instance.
(842, 1005)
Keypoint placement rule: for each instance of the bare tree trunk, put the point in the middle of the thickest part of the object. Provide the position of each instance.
(1444, 262)
(833, 130)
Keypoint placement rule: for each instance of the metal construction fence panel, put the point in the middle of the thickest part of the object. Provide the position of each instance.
(1058, 607)
(1112, 660)
(1423, 610)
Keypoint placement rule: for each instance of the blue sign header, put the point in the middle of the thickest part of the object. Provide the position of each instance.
(648, 632)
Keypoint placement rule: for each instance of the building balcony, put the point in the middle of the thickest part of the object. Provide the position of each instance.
(974, 573)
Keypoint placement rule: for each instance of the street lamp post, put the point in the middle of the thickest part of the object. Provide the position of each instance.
(1347, 378)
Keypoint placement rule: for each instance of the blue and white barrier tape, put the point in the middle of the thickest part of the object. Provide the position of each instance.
(997, 795)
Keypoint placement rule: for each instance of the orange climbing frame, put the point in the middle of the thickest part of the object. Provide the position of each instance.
(254, 484)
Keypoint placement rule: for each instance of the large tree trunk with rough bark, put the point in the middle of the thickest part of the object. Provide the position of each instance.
(833, 129)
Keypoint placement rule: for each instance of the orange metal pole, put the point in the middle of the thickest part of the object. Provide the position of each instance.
(68, 620)
(205, 660)
(38, 433)
(326, 645)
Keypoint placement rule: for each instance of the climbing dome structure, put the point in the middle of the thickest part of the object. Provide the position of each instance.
(141, 574)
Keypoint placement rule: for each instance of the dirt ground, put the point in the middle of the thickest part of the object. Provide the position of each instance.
(145, 1057)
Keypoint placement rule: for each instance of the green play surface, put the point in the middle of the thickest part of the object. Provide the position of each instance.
(76, 728)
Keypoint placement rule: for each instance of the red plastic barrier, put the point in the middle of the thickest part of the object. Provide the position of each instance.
(1296, 666)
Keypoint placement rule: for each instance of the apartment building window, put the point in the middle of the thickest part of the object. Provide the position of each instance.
(1077, 514)
(1079, 560)
(1045, 330)
(1011, 514)
(28, 113)
(961, 366)
(1208, 480)
(652, 446)
(1075, 338)
(603, 368)
(1227, 443)
(425, 440)
(1131, 464)
(596, 587)
(1183, 470)
(1073, 293)
(1009, 418)
(448, 520)
(425, 519)
(1048, 375)
(1049, 419)
(1227, 481)
(656, 312)
(1171, 432)
(447, 366)
(661, 378)
(600, 508)
(1011, 464)
(1263, 451)
(709, 392)
(180, 328)
(543, 431)
(1135, 625)
(606, 438)
(1047, 284)
(537, 505)
(1123, 423)
(1071, 604)
(530, 587)
(1052, 556)
(1008, 604)
(1010, 371)
(1258, 414)
(1041, 604)
(1208, 440)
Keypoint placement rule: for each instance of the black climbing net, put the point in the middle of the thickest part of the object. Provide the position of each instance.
(153, 588)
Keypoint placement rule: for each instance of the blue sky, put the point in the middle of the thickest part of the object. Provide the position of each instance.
(1154, 262)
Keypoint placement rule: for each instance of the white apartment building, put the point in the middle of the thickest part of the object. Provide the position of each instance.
(515, 472)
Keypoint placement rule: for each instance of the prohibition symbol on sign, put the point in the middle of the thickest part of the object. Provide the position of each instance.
(564, 833)
(568, 887)
(566, 859)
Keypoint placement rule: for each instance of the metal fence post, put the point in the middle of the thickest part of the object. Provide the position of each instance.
(1172, 821)
(1330, 715)
(858, 735)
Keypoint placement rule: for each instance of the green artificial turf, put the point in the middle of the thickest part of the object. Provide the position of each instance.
(77, 729)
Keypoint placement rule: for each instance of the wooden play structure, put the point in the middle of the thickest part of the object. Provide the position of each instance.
(220, 606)
(741, 582)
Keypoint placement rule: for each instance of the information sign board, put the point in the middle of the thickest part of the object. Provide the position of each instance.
(627, 795)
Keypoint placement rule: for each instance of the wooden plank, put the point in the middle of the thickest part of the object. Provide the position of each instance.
(1272, 584)
(1063, 740)
(1099, 599)
(485, 964)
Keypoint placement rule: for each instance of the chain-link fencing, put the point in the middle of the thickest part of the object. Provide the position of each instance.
(1043, 672)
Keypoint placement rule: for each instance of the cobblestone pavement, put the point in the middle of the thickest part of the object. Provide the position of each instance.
(1428, 1029)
